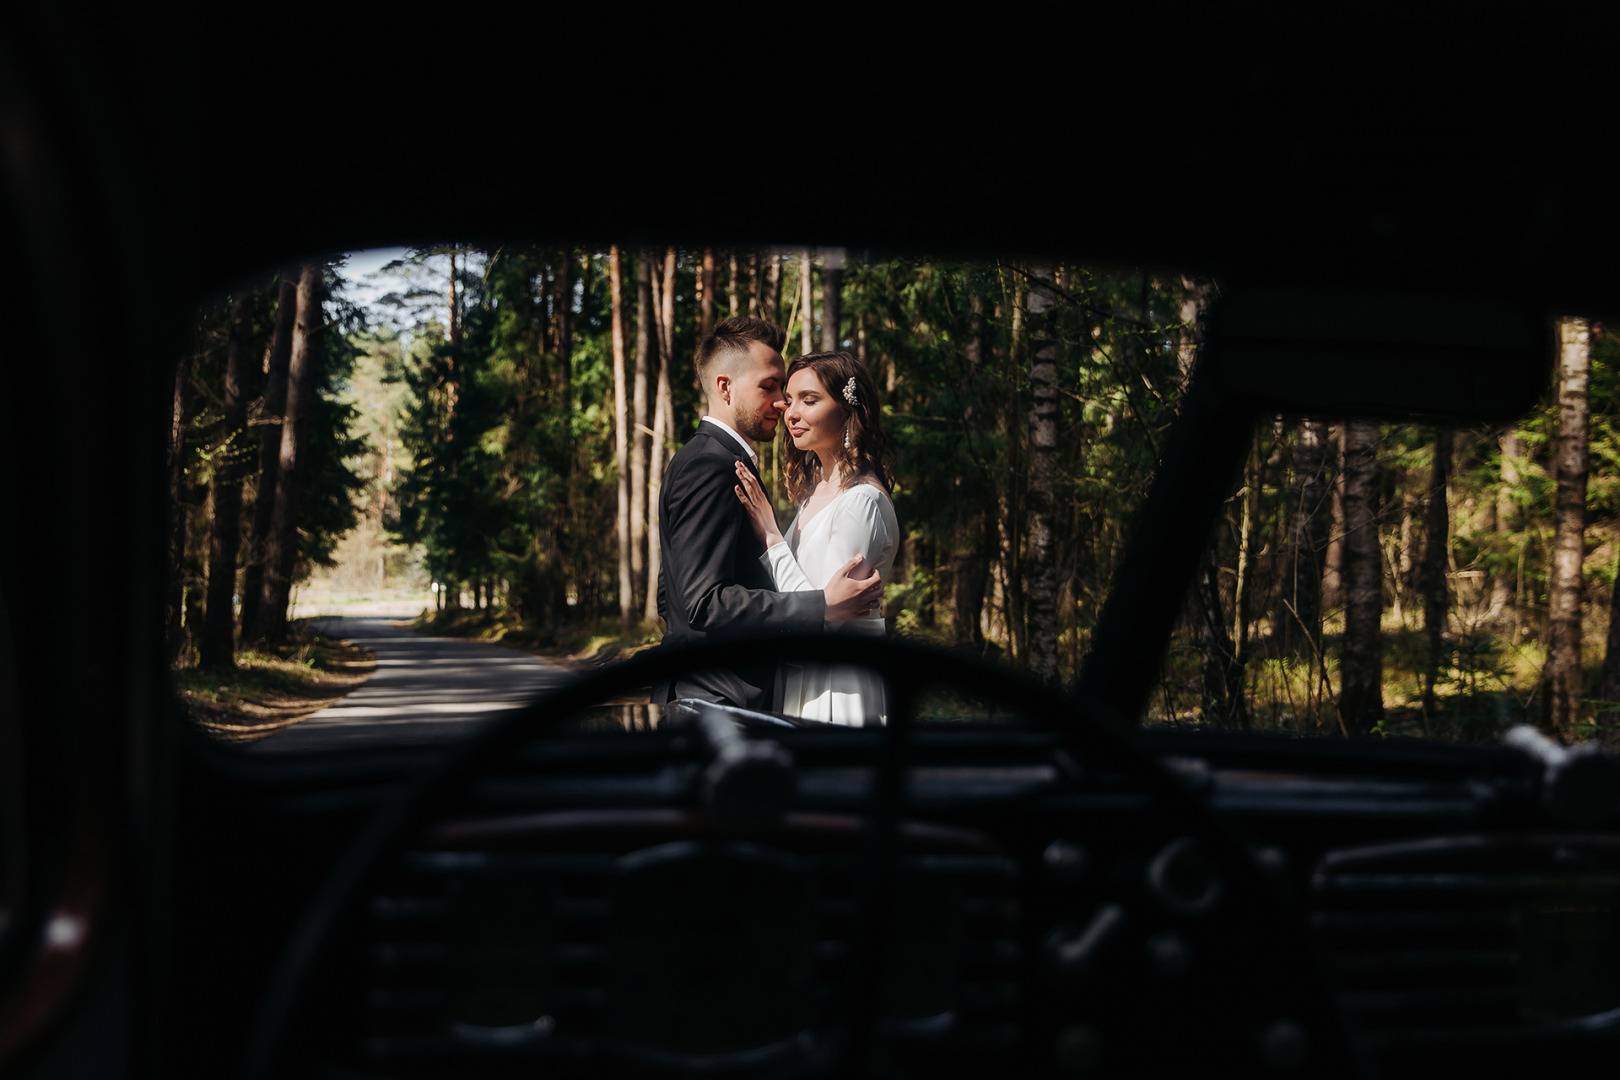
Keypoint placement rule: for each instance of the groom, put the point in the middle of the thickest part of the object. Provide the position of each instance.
(711, 583)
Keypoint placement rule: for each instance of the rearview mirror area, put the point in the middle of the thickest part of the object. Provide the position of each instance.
(1362, 352)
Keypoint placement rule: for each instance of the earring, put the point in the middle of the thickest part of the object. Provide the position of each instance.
(846, 438)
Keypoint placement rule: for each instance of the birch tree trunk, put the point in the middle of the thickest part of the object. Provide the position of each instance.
(1562, 675)
(217, 646)
(638, 426)
(282, 548)
(621, 439)
(1040, 565)
(274, 403)
(1361, 702)
(1436, 543)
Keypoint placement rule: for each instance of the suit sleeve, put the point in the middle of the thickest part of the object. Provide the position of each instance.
(703, 524)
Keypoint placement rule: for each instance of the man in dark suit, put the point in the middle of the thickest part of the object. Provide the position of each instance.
(711, 583)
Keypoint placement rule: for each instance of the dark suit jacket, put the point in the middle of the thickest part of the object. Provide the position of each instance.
(711, 585)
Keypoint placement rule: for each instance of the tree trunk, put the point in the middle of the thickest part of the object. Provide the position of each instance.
(736, 287)
(455, 304)
(1040, 566)
(975, 540)
(1313, 525)
(772, 299)
(663, 421)
(645, 333)
(832, 276)
(1562, 674)
(1236, 672)
(1333, 560)
(1609, 691)
(621, 440)
(1011, 495)
(270, 412)
(1361, 702)
(807, 310)
(174, 596)
(1199, 293)
(1402, 569)
(1222, 668)
(1436, 597)
(753, 285)
(1503, 587)
(706, 286)
(282, 549)
(562, 318)
(217, 646)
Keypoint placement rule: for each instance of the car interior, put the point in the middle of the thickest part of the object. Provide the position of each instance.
(1042, 886)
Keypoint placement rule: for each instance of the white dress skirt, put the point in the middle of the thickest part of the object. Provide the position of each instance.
(859, 520)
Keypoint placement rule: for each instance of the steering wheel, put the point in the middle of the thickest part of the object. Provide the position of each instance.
(1195, 896)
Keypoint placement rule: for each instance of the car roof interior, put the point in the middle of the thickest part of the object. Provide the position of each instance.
(1425, 213)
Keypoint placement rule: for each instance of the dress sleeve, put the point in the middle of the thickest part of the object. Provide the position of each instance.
(858, 529)
(785, 569)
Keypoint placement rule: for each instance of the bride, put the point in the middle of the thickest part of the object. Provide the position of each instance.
(838, 472)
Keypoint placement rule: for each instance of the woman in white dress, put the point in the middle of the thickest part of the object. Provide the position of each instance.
(837, 469)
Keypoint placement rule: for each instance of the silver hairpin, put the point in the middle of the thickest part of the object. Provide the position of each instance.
(849, 391)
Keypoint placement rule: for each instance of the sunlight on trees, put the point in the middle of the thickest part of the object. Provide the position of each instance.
(497, 421)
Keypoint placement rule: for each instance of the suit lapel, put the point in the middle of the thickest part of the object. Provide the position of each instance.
(731, 446)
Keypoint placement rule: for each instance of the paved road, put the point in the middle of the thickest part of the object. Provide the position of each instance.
(426, 690)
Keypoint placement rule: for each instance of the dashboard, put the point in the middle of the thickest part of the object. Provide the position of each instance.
(735, 893)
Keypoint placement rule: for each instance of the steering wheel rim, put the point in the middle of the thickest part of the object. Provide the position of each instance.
(1093, 734)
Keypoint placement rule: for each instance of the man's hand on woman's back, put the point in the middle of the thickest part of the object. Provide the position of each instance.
(850, 597)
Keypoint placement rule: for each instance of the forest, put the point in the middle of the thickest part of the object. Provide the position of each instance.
(504, 416)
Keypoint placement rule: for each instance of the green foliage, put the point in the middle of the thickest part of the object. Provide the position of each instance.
(501, 453)
(327, 509)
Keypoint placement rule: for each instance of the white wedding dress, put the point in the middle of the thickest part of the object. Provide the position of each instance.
(858, 520)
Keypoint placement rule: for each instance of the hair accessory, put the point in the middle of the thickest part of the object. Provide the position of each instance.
(849, 391)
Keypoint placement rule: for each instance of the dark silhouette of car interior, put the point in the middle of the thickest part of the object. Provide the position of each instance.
(1047, 889)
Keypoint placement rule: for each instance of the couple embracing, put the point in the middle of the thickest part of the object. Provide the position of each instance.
(727, 571)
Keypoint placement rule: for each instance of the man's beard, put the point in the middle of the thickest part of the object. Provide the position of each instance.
(752, 426)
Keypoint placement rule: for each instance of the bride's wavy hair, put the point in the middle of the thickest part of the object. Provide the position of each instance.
(869, 453)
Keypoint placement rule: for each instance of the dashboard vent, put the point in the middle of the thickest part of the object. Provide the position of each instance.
(630, 939)
(1471, 939)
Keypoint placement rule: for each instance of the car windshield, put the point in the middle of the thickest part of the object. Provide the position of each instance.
(467, 445)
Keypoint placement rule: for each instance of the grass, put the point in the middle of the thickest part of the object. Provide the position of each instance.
(271, 687)
(586, 645)
(1485, 685)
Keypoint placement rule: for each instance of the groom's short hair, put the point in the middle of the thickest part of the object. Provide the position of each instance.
(728, 345)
